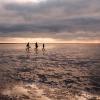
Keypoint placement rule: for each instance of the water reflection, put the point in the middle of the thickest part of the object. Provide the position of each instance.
(27, 91)
(36, 50)
(43, 51)
(21, 92)
(67, 68)
(28, 54)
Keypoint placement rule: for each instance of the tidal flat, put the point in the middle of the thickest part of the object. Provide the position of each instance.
(60, 72)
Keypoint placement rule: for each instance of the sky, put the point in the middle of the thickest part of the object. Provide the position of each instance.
(65, 21)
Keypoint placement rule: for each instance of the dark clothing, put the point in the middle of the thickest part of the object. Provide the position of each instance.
(36, 45)
(27, 45)
(43, 45)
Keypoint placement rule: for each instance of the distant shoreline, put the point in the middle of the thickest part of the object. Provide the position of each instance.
(51, 43)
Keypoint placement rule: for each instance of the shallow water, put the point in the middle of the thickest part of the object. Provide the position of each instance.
(60, 72)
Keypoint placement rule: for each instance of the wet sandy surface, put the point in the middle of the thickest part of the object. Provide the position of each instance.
(62, 72)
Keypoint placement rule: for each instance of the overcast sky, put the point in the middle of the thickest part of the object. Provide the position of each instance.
(65, 20)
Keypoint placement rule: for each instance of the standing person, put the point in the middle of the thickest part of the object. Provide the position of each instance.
(43, 48)
(27, 46)
(36, 45)
(43, 45)
(36, 48)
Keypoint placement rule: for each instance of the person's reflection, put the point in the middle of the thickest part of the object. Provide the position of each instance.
(36, 50)
(28, 55)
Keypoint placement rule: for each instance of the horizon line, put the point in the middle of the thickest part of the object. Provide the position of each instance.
(57, 43)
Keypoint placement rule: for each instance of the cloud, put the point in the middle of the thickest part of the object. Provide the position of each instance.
(61, 19)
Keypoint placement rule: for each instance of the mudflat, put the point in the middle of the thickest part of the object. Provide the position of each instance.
(60, 72)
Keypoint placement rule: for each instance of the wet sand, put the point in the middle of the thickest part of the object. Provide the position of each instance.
(62, 72)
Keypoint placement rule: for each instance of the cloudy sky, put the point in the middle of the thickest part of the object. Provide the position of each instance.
(50, 20)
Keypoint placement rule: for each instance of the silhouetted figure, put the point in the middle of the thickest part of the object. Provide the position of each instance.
(43, 45)
(36, 45)
(43, 49)
(36, 48)
(28, 47)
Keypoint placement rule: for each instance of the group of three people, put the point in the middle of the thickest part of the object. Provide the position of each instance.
(36, 46)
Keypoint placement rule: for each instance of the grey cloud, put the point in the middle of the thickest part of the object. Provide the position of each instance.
(56, 7)
(73, 28)
(65, 19)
